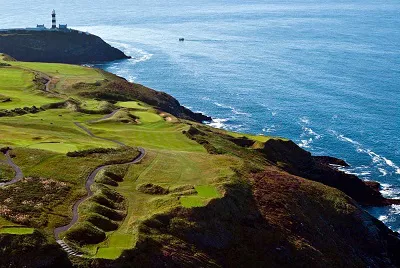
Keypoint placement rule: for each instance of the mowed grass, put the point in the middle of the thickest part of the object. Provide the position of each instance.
(156, 135)
(17, 84)
(133, 105)
(65, 74)
(16, 230)
(171, 170)
(148, 117)
(52, 130)
(204, 194)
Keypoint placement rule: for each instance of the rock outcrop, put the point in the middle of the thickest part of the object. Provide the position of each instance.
(293, 159)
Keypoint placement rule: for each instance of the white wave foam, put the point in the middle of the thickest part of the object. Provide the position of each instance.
(218, 123)
(306, 143)
(233, 109)
(305, 120)
(383, 218)
(138, 55)
(308, 135)
(384, 166)
(269, 129)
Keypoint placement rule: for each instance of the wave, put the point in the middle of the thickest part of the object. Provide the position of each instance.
(218, 123)
(138, 55)
(308, 135)
(390, 191)
(233, 109)
(384, 165)
(269, 129)
(305, 120)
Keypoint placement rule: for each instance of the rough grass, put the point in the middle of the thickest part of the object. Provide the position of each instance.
(6, 172)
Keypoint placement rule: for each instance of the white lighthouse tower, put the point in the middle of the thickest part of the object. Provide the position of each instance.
(53, 20)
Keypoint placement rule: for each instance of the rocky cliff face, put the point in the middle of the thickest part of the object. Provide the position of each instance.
(57, 46)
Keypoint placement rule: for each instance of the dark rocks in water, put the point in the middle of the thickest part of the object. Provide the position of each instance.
(57, 46)
(297, 161)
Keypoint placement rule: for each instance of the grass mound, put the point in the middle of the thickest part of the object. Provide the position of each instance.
(85, 233)
(106, 180)
(110, 194)
(103, 200)
(102, 222)
(106, 212)
(154, 189)
(122, 116)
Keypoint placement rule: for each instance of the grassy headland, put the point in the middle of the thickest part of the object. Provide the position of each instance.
(200, 197)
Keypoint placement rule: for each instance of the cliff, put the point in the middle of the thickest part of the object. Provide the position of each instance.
(57, 46)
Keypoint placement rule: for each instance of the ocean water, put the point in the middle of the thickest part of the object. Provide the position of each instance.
(323, 73)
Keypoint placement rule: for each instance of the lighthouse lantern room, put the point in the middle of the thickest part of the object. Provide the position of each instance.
(53, 20)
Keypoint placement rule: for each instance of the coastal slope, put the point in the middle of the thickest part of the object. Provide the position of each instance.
(69, 46)
(197, 197)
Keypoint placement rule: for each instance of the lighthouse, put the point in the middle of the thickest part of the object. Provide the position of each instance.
(53, 20)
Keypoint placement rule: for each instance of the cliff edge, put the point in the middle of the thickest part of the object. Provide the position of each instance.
(57, 46)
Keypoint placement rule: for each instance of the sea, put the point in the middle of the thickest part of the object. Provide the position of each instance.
(324, 73)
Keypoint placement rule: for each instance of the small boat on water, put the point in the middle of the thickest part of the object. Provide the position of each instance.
(181, 39)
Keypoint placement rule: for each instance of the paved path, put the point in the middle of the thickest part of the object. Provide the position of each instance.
(106, 116)
(18, 172)
(89, 182)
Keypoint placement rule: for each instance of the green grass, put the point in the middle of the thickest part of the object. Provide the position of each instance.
(18, 85)
(207, 191)
(16, 230)
(65, 74)
(148, 117)
(52, 130)
(157, 135)
(109, 253)
(171, 170)
(192, 201)
(133, 105)
(204, 194)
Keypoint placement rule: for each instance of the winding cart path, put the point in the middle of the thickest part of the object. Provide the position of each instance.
(18, 172)
(89, 182)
